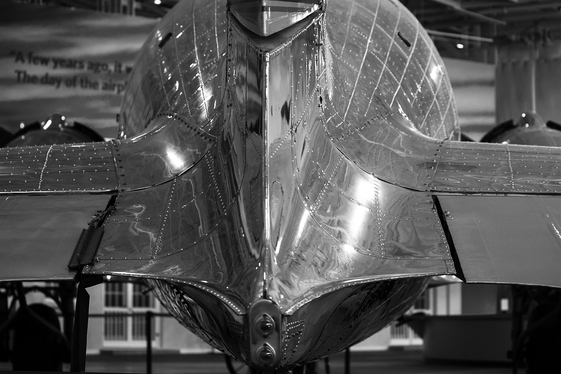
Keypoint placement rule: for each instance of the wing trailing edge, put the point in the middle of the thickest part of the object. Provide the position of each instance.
(39, 232)
(505, 239)
(500, 207)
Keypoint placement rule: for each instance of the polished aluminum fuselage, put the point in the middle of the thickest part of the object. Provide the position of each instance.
(286, 180)
(286, 160)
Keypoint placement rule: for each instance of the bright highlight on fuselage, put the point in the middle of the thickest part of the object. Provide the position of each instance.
(288, 178)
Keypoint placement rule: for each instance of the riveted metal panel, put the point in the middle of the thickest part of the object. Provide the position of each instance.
(87, 167)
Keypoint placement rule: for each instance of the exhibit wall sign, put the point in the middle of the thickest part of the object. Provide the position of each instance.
(72, 62)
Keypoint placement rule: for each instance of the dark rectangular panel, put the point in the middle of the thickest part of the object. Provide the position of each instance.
(39, 233)
(506, 239)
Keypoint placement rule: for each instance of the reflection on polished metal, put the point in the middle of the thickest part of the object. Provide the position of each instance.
(279, 192)
(265, 334)
(266, 17)
(54, 120)
(265, 325)
(280, 196)
(530, 129)
(54, 130)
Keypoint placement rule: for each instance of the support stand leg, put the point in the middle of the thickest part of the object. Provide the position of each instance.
(149, 316)
(80, 330)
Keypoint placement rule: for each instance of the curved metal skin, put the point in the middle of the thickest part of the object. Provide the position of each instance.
(266, 17)
(276, 176)
(275, 173)
(276, 170)
(530, 129)
(280, 239)
(54, 130)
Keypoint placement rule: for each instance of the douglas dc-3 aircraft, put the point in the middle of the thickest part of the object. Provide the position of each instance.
(287, 178)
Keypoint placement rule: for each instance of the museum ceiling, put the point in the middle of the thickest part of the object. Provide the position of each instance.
(466, 29)
(471, 29)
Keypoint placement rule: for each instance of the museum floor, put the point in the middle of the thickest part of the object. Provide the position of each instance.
(383, 362)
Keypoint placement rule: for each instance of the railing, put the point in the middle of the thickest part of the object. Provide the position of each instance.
(116, 327)
(148, 318)
(142, 327)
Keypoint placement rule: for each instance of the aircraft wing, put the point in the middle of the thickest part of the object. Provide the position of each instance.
(501, 208)
(505, 239)
(39, 234)
(499, 203)
(50, 194)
